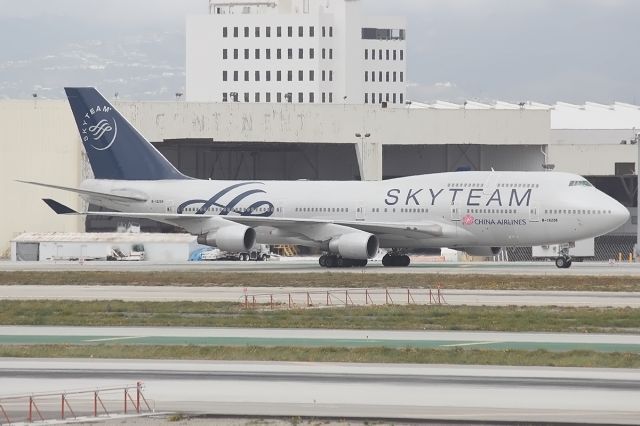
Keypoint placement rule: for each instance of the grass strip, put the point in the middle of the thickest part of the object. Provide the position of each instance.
(333, 354)
(325, 279)
(414, 317)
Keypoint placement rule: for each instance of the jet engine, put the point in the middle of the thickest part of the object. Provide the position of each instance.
(481, 251)
(230, 238)
(356, 245)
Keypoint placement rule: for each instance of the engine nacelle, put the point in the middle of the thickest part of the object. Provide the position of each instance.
(356, 245)
(230, 238)
(481, 251)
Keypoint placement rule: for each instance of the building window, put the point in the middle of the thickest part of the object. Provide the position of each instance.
(289, 97)
(311, 97)
(235, 53)
(366, 76)
(312, 75)
(394, 76)
(373, 98)
(289, 75)
(387, 75)
(279, 53)
(224, 76)
(311, 53)
(379, 98)
(257, 97)
(330, 75)
(257, 53)
(300, 75)
(235, 32)
(279, 31)
(246, 32)
(224, 97)
(300, 97)
(380, 54)
(373, 76)
(387, 98)
(330, 53)
(324, 31)
(323, 75)
(402, 55)
(301, 31)
(401, 98)
(235, 76)
(387, 54)
(366, 54)
(380, 76)
(330, 97)
(268, 76)
(300, 53)
(330, 31)
(366, 98)
(324, 97)
(324, 53)
(394, 98)
(622, 169)
(246, 53)
(394, 54)
(268, 97)
(257, 32)
(268, 31)
(373, 54)
(279, 97)
(224, 53)
(401, 76)
(279, 75)
(290, 53)
(290, 31)
(257, 75)
(246, 96)
(246, 76)
(268, 53)
(225, 32)
(312, 31)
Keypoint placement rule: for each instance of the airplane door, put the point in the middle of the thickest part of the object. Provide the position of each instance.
(170, 206)
(534, 214)
(456, 213)
(360, 211)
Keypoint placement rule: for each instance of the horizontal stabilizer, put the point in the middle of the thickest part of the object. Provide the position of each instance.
(59, 208)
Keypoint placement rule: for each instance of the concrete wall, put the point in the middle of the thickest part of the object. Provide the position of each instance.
(39, 142)
(591, 159)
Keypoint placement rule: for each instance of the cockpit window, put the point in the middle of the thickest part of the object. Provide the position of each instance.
(579, 183)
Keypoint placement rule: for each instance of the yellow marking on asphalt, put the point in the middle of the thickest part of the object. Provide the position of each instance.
(107, 339)
(470, 344)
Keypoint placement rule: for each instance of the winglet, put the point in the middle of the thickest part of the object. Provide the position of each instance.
(58, 207)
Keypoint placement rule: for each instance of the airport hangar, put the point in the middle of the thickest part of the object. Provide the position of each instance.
(318, 142)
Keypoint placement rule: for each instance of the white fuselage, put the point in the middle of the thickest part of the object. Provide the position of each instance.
(473, 209)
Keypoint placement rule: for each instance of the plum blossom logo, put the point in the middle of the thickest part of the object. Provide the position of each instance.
(468, 219)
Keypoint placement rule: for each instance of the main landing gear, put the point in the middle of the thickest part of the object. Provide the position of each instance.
(334, 261)
(395, 259)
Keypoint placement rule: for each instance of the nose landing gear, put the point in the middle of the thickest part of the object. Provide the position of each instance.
(564, 261)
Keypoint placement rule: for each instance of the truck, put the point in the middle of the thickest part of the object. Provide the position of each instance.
(135, 254)
(258, 253)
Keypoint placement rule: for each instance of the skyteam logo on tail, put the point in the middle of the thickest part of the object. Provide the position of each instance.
(99, 129)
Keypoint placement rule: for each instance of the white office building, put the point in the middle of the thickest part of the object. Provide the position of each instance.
(298, 51)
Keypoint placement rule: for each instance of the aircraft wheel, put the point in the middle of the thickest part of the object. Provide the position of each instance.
(569, 262)
(561, 262)
(323, 261)
(405, 260)
(331, 262)
(387, 260)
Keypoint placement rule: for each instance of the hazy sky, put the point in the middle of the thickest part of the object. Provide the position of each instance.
(540, 50)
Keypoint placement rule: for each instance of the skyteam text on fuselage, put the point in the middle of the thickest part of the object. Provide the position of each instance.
(477, 212)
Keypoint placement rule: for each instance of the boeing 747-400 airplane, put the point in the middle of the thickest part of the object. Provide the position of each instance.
(477, 212)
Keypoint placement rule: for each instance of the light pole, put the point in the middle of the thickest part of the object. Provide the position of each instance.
(637, 247)
(362, 137)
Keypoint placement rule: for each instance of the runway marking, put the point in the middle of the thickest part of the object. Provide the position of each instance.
(471, 344)
(107, 339)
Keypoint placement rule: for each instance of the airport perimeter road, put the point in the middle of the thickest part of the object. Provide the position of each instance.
(301, 296)
(368, 391)
(28, 335)
(301, 265)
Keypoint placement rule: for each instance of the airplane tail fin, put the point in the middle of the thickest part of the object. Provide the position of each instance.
(116, 150)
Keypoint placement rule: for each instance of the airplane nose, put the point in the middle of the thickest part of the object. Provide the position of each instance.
(619, 213)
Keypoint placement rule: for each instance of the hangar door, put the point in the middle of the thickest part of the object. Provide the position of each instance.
(27, 251)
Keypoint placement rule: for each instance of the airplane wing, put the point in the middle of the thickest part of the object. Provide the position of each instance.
(125, 197)
(197, 223)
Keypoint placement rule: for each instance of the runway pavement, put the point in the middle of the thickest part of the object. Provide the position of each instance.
(12, 335)
(366, 391)
(301, 296)
(305, 265)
